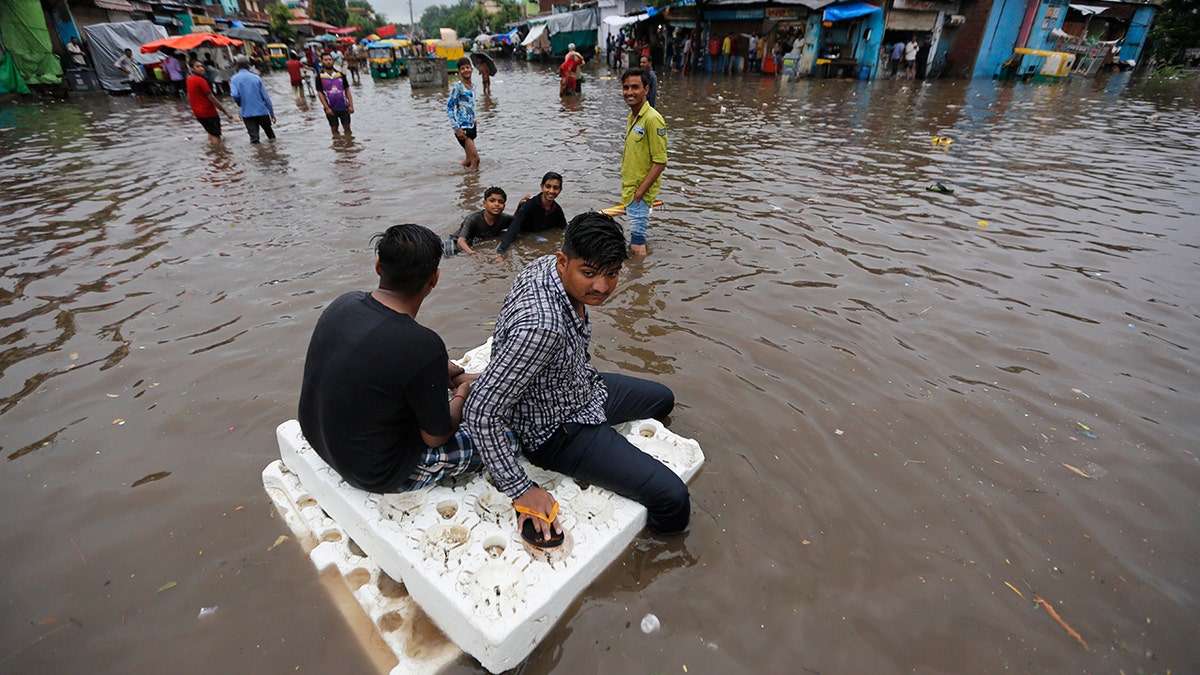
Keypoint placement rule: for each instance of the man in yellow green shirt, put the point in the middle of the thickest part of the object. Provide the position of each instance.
(645, 157)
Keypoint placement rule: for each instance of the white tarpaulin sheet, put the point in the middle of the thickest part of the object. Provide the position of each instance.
(533, 35)
(1087, 10)
(624, 20)
(569, 22)
(108, 41)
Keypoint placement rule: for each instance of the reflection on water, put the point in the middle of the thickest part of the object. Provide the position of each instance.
(915, 404)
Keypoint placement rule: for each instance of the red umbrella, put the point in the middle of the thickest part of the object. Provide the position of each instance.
(190, 41)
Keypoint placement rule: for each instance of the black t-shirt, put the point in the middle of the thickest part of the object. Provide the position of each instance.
(531, 217)
(373, 378)
(475, 227)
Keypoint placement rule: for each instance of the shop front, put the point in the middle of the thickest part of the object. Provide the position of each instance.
(737, 25)
(843, 40)
(782, 28)
(920, 19)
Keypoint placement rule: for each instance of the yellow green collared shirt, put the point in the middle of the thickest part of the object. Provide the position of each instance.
(645, 146)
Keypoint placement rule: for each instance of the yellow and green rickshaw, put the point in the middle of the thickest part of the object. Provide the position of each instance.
(451, 50)
(278, 54)
(385, 63)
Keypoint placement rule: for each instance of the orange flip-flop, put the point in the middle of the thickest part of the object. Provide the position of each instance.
(529, 531)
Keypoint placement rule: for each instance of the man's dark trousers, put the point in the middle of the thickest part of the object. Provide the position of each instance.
(253, 124)
(597, 454)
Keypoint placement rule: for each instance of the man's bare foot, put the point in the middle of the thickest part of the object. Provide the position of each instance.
(638, 250)
(465, 162)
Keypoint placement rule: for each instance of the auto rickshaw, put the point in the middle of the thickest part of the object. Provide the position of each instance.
(403, 50)
(382, 57)
(451, 50)
(278, 55)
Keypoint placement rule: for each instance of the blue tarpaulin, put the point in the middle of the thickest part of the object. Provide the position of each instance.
(851, 11)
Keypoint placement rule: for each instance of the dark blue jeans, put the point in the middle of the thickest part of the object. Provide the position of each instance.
(597, 454)
(253, 124)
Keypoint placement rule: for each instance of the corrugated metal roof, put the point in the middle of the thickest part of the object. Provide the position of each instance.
(811, 4)
(115, 5)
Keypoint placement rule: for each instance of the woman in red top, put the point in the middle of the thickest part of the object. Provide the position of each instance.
(568, 72)
(204, 104)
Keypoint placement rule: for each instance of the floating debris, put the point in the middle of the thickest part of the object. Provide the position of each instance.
(1037, 599)
(650, 624)
(1078, 471)
(151, 478)
(938, 187)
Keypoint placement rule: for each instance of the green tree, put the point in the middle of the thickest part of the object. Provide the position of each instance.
(363, 15)
(443, 16)
(329, 11)
(509, 11)
(280, 15)
(1176, 28)
(467, 18)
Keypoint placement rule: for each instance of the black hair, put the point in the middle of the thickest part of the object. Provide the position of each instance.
(408, 256)
(464, 61)
(495, 191)
(596, 239)
(194, 62)
(635, 72)
(551, 175)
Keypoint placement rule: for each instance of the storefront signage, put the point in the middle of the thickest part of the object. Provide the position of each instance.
(927, 6)
(734, 15)
(783, 13)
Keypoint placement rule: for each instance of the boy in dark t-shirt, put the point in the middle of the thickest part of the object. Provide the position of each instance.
(374, 400)
(492, 221)
(537, 214)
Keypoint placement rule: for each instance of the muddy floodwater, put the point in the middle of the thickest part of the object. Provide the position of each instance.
(921, 410)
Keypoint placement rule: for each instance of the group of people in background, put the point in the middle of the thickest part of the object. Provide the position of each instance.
(687, 50)
(247, 90)
(908, 59)
(642, 165)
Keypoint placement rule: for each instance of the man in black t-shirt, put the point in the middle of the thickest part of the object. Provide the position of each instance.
(492, 221)
(373, 401)
(540, 213)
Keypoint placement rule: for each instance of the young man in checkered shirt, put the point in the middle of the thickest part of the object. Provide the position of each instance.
(540, 386)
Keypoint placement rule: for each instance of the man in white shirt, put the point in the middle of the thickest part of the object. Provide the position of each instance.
(910, 58)
(133, 70)
(75, 50)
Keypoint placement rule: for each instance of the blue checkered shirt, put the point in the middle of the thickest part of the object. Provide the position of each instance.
(539, 376)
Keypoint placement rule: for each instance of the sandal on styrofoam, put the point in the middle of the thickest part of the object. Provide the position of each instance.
(530, 534)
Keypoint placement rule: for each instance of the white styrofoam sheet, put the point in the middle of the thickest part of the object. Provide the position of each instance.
(456, 547)
(398, 621)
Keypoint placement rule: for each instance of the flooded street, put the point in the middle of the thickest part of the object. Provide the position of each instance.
(920, 410)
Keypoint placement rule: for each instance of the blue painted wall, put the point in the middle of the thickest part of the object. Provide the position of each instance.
(1135, 37)
(868, 48)
(812, 38)
(1000, 37)
(64, 23)
(1050, 16)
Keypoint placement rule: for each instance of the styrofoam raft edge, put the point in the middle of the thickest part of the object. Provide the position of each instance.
(384, 600)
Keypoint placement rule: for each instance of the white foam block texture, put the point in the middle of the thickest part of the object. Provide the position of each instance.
(457, 550)
(383, 599)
